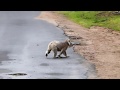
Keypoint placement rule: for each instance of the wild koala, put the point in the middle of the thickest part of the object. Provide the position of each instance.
(56, 46)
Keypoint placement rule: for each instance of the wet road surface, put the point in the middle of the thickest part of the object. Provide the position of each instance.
(23, 42)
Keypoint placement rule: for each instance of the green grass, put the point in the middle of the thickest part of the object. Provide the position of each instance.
(94, 18)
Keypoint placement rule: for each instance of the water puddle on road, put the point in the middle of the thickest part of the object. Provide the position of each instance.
(55, 74)
(18, 74)
(44, 64)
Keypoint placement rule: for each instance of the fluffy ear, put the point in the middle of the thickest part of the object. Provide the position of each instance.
(69, 43)
(68, 40)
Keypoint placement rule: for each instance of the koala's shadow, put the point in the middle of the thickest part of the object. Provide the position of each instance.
(61, 58)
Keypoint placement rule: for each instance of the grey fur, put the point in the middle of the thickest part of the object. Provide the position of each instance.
(56, 46)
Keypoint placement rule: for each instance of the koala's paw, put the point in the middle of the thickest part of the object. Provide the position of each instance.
(55, 57)
(46, 55)
(59, 56)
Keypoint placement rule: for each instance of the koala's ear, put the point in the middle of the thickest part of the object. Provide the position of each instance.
(68, 39)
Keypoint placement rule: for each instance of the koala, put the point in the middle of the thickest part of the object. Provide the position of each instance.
(57, 46)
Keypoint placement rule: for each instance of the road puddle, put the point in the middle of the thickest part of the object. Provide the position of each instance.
(18, 74)
(55, 74)
(44, 64)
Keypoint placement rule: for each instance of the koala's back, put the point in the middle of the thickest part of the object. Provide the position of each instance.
(62, 45)
(53, 44)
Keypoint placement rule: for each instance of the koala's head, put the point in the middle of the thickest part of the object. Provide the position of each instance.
(69, 42)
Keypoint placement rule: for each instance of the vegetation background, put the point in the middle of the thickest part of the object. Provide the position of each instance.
(108, 19)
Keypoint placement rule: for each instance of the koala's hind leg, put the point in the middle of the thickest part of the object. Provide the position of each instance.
(47, 52)
(55, 53)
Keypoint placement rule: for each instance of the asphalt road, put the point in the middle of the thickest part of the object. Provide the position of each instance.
(23, 42)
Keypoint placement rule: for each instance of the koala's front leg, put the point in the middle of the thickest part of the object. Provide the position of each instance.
(61, 52)
(65, 54)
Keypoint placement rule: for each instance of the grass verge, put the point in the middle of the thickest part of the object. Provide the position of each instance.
(94, 18)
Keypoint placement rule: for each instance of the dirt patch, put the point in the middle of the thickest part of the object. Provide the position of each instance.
(99, 45)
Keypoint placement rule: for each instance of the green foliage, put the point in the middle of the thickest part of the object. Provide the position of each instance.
(94, 18)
